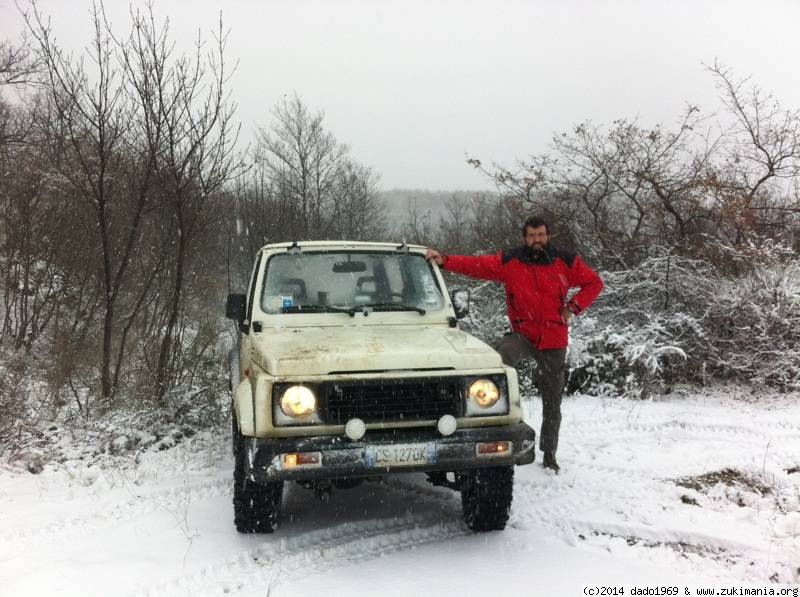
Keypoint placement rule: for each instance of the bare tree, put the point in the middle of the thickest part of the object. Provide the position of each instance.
(186, 125)
(17, 64)
(20, 201)
(628, 187)
(17, 69)
(751, 184)
(92, 119)
(455, 229)
(303, 162)
(355, 204)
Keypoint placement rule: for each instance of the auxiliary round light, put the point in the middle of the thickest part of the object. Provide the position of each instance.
(355, 429)
(298, 401)
(484, 392)
(447, 425)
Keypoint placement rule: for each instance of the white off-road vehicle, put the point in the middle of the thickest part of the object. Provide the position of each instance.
(351, 365)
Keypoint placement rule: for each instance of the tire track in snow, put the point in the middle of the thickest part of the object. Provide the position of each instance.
(652, 424)
(556, 507)
(643, 533)
(619, 489)
(565, 518)
(366, 549)
(359, 550)
(536, 504)
(281, 557)
(170, 500)
(540, 505)
(778, 440)
(557, 503)
(730, 557)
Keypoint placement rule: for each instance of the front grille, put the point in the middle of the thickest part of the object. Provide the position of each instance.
(377, 400)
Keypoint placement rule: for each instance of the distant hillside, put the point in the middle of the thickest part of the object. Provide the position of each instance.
(399, 202)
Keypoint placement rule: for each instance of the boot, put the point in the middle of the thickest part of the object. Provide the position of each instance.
(549, 461)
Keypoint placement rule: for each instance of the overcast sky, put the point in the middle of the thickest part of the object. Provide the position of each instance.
(413, 86)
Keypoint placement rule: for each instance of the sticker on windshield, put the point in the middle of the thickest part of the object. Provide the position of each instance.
(273, 301)
(287, 301)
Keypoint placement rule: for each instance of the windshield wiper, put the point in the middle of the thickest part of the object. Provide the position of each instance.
(394, 307)
(317, 309)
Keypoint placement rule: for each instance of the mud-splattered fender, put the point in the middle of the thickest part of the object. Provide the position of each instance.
(243, 407)
(233, 369)
(513, 392)
(253, 405)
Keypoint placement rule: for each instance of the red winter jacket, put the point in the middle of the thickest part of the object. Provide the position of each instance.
(536, 288)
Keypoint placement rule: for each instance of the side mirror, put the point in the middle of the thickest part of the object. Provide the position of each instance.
(236, 307)
(461, 300)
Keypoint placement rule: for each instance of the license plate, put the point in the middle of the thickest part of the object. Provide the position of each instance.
(400, 455)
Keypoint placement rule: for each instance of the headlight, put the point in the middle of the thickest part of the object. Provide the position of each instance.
(484, 392)
(486, 396)
(298, 401)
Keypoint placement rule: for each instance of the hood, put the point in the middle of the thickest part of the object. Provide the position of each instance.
(322, 351)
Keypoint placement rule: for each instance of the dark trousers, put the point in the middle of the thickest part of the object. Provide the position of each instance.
(514, 348)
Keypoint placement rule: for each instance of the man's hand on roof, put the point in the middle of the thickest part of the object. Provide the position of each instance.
(434, 255)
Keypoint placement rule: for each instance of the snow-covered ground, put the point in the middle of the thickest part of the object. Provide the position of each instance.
(631, 505)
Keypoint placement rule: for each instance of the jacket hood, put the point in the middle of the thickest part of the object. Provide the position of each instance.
(323, 351)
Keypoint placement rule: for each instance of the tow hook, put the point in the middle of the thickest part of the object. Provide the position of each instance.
(323, 490)
(440, 479)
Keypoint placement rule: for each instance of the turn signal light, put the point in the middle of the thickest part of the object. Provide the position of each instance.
(296, 459)
(490, 448)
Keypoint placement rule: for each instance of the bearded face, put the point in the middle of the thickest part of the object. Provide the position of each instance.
(536, 240)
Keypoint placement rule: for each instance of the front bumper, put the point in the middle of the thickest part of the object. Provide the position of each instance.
(342, 457)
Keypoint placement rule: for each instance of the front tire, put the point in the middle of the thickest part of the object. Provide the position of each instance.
(486, 495)
(256, 507)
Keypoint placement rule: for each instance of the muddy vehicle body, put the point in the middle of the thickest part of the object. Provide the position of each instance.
(351, 365)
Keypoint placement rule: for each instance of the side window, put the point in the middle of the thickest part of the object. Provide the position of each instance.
(421, 279)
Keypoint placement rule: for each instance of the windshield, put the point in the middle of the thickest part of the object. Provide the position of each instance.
(324, 281)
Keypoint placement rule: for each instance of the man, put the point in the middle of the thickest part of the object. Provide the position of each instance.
(537, 277)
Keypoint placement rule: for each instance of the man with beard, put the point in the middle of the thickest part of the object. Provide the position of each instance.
(537, 277)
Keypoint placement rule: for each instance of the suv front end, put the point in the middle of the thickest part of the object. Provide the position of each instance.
(367, 424)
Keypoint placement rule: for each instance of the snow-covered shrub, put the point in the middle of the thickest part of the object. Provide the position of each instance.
(199, 378)
(12, 402)
(753, 326)
(630, 360)
(645, 331)
(23, 403)
(673, 319)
